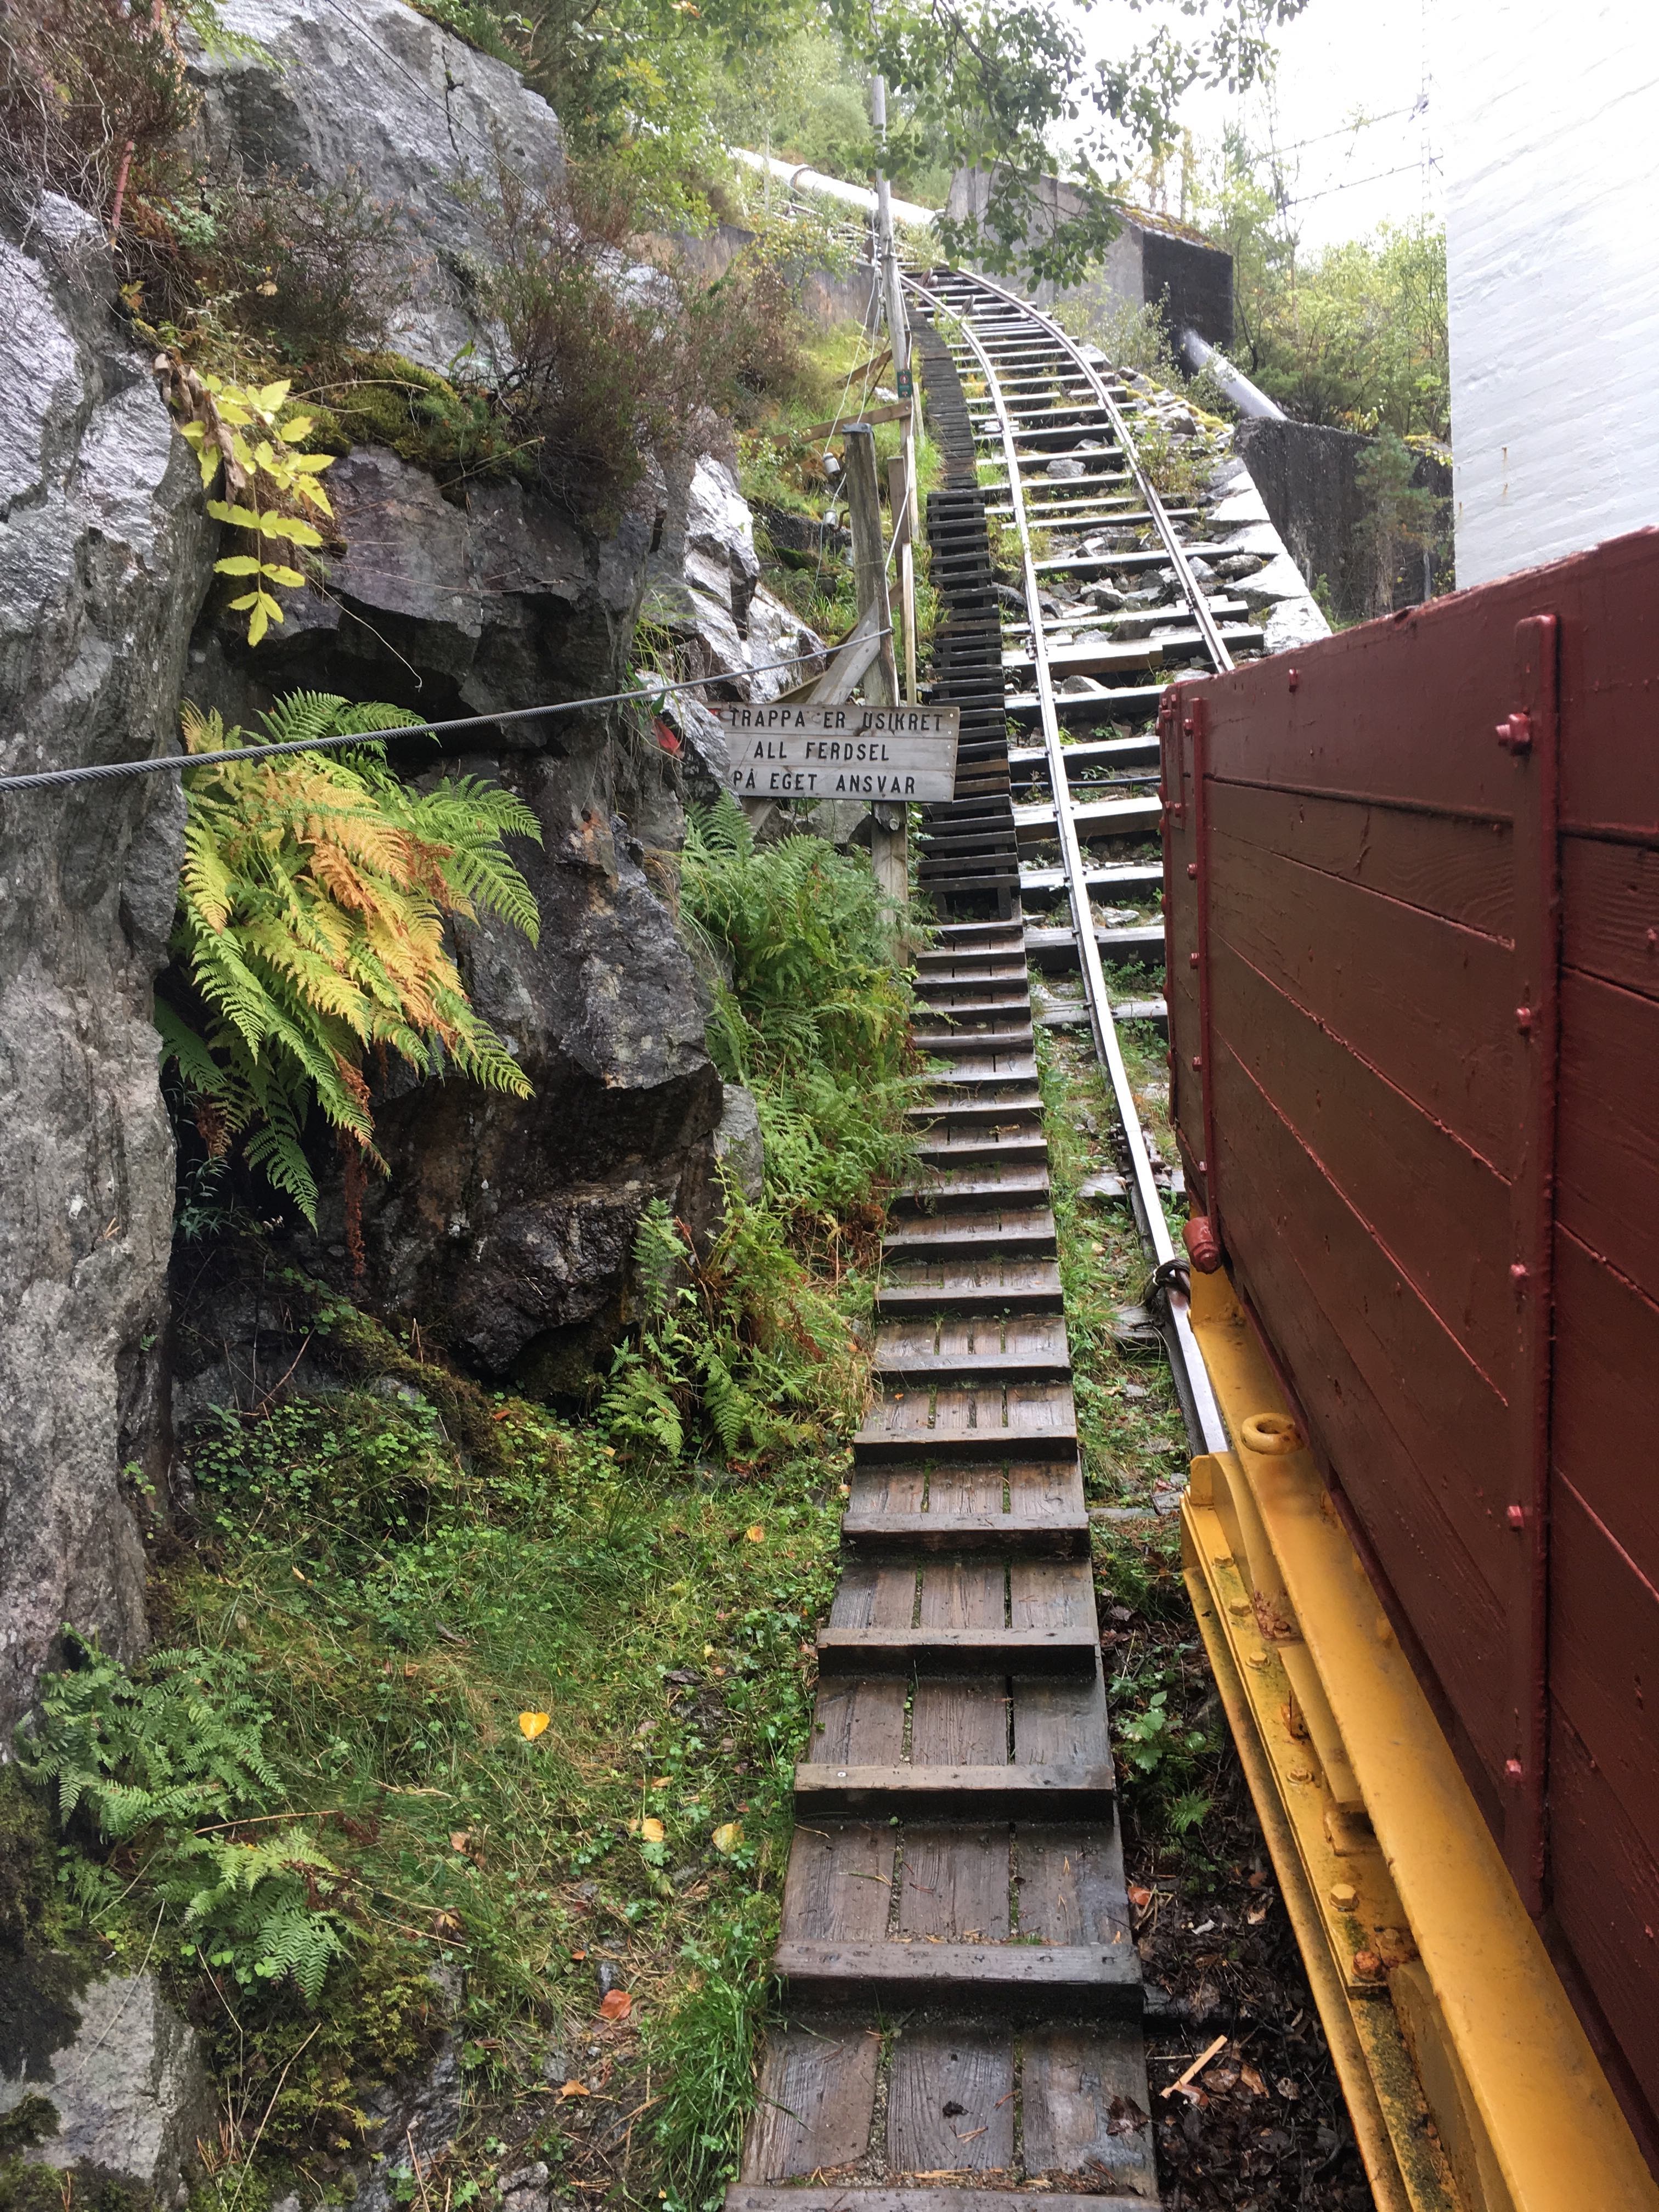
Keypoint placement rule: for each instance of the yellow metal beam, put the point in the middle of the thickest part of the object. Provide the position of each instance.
(1471, 2084)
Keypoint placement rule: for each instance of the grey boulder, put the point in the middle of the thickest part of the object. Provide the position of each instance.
(128, 2086)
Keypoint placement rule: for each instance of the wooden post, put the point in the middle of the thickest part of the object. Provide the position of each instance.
(888, 824)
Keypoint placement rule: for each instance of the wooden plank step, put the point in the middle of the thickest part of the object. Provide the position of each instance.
(1018, 1230)
(939, 1041)
(1009, 1792)
(969, 1005)
(1023, 1142)
(985, 1420)
(1057, 948)
(1036, 1980)
(987, 1285)
(1022, 1184)
(1073, 1650)
(1012, 1069)
(1035, 1351)
(1016, 1535)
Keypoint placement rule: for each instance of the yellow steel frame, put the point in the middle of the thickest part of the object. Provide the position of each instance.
(1471, 2085)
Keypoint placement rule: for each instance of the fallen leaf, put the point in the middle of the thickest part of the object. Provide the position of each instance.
(1139, 1897)
(756, 1535)
(1250, 2076)
(709, 1650)
(532, 1724)
(575, 2089)
(579, 1954)
(1256, 1915)
(460, 1840)
(727, 1837)
(661, 1781)
(1287, 2088)
(501, 1414)
(616, 2004)
(652, 1831)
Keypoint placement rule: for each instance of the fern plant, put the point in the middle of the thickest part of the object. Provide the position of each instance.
(316, 894)
(811, 1007)
(162, 1764)
(736, 1350)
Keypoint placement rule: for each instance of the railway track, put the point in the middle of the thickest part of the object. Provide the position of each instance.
(962, 1997)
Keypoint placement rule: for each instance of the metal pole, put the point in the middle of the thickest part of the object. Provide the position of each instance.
(899, 472)
(888, 824)
(886, 253)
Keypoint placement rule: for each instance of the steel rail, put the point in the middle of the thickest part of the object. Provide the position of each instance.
(1199, 1408)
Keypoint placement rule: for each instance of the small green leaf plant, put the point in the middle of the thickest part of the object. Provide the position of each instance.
(273, 489)
(317, 893)
(165, 1767)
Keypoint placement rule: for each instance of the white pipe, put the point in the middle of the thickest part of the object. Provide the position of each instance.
(1233, 381)
(801, 179)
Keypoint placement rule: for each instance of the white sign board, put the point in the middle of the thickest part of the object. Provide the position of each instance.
(805, 751)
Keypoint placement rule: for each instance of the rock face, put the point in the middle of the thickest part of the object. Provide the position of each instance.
(423, 119)
(124, 2076)
(102, 567)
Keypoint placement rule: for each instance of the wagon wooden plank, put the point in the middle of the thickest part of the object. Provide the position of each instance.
(1402, 1170)
(1607, 1163)
(1606, 1392)
(1459, 869)
(950, 2101)
(1609, 898)
(1407, 1517)
(1437, 1017)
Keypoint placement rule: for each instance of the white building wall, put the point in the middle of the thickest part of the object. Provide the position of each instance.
(1552, 246)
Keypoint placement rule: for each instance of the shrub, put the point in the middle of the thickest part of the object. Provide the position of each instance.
(812, 1007)
(312, 911)
(738, 1350)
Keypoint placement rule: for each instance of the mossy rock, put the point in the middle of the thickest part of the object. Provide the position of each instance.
(451, 430)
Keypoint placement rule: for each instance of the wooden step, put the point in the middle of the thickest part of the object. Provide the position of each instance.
(1025, 1348)
(1073, 1650)
(978, 1793)
(1100, 817)
(1014, 1535)
(1024, 1184)
(989, 1285)
(970, 1421)
(1020, 1107)
(1036, 1980)
(1016, 1230)
(939, 1042)
(1022, 1143)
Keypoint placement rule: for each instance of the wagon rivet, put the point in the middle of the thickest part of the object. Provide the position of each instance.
(1519, 1271)
(1523, 1019)
(1513, 1771)
(1516, 1516)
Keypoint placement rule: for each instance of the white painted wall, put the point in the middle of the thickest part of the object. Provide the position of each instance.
(1552, 246)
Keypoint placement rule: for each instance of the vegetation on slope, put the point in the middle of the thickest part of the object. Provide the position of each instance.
(478, 1719)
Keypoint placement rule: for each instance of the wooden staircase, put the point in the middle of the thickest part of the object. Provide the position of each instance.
(962, 1990)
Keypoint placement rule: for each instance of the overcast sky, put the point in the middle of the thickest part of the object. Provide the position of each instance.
(1339, 59)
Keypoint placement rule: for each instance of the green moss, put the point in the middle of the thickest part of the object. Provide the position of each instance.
(29, 2122)
(310, 2072)
(453, 430)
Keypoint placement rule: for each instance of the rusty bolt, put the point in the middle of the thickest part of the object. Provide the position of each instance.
(1524, 1019)
(1653, 940)
(1187, 725)
(1368, 1966)
(1514, 1771)
(1518, 1273)
(1292, 678)
(1197, 1062)
(1514, 732)
(1203, 1167)
(1344, 1896)
(1191, 959)
(1516, 1516)
(1192, 868)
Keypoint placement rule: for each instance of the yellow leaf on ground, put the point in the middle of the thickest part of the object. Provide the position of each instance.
(727, 1837)
(616, 2004)
(652, 1831)
(755, 1534)
(575, 2089)
(532, 1724)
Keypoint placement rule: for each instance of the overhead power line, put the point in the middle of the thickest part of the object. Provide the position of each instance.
(1352, 184)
